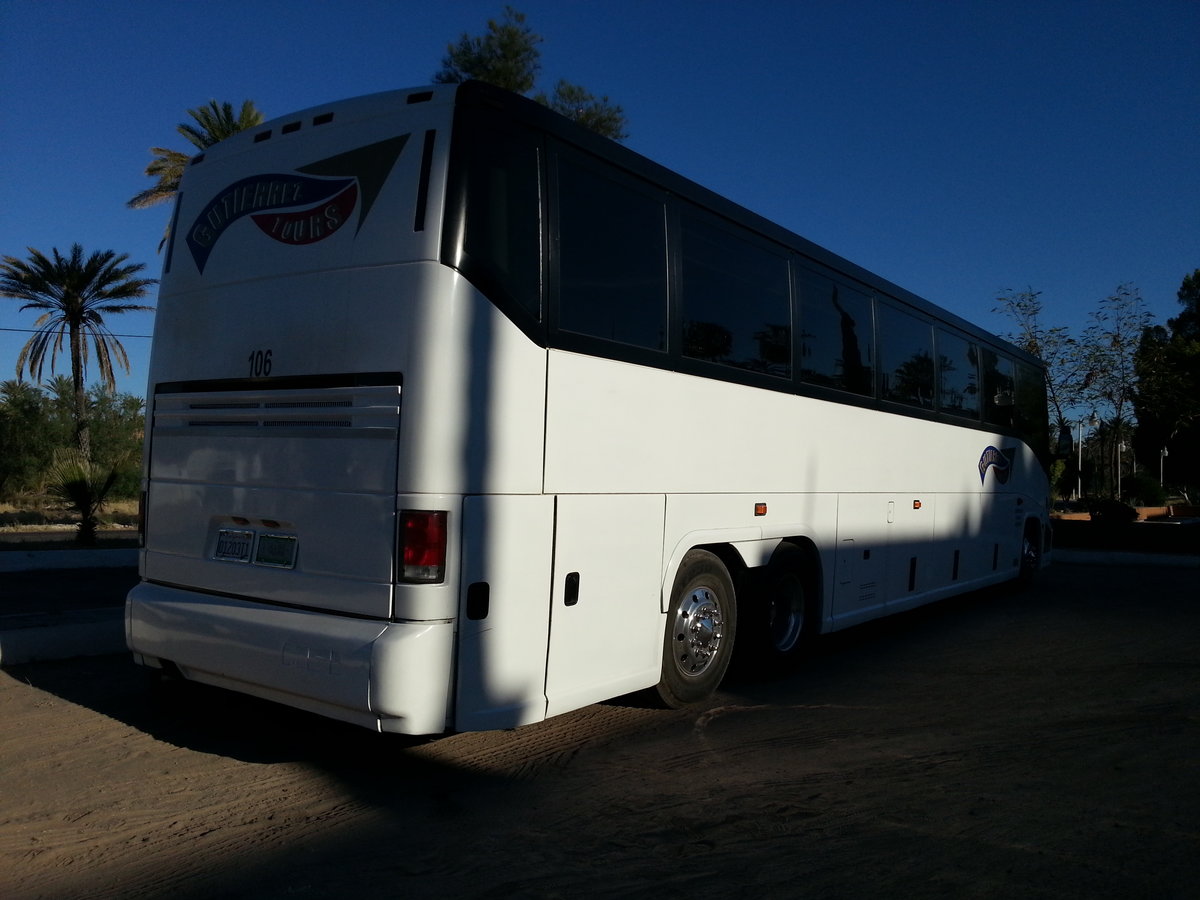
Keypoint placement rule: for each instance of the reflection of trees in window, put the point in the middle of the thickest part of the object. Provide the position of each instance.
(912, 381)
(714, 342)
(733, 291)
(775, 349)
(958, 375)
(906, 357)
(707, 340)
(998, 396)
(835, 340)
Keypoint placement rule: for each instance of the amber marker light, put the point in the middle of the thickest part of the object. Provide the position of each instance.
(760, 509)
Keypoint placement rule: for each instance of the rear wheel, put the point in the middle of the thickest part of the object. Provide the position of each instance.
(701, 624)
(780, 621)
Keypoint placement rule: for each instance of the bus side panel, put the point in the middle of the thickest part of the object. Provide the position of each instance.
(502, 633)
(863, 558)
(606, 632)
(474, 395)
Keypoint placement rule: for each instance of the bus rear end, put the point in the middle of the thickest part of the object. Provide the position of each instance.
(286, 555)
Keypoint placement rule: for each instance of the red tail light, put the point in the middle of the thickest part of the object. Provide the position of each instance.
(422, 546)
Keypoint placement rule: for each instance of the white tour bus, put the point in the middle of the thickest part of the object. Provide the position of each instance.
(461, 416)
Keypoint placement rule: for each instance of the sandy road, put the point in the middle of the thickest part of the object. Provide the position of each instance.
(1041, 744)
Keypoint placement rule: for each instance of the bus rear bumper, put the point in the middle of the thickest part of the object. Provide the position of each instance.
(386, 676)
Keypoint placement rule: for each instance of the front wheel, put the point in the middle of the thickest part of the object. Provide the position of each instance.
(701, 624)
(1031, 554)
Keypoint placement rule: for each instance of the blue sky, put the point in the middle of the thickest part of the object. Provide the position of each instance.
(956, 148)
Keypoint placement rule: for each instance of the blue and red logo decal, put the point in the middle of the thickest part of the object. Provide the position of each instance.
(999, 461)
(302, 207)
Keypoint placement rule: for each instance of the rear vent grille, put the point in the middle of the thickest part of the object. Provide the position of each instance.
(307, 404)
(374, 409)
(307, 423)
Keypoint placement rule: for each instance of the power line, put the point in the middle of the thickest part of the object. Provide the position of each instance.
(36, 330)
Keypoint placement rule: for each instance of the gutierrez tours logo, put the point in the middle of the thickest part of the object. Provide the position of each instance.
(302, 207)
(999, 461)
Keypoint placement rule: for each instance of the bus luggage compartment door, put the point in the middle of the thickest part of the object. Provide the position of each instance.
(606, 625)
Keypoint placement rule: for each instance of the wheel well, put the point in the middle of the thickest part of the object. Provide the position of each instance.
(813, 575)
(742, 575)
(1038, 532)
(731, 559)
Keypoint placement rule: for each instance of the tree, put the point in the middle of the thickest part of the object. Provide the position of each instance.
(1109, 348)
(76, 293)
(24, 442)
(1054, 346)
(507, 56)
(1187, 324)
(579, 105)
(212, 123)
(1167, 399)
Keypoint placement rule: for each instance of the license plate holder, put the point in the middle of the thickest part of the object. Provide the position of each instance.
(234, 545)
(276, 550)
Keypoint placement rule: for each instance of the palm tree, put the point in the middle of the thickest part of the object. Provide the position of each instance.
(75, 293)
(213, 122)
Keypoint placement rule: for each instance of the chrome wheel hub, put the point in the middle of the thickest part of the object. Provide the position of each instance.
(699, 629)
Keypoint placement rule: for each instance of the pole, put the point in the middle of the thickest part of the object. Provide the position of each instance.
(1079, 466)
(1120, 453)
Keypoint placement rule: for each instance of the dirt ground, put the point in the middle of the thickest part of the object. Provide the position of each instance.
(1036, 744)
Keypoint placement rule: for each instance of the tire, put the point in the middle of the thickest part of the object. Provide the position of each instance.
(700, 630)
(781, 621)
(1031, 554)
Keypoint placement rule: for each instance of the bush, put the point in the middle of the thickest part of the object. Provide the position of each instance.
(1112, 512)
(1144, 490)
(84, 485)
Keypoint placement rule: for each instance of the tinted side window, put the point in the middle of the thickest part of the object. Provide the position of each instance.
(958, 375)
(998, 388)
(836, 330)
(905, 357)
(612, 257)
(734, 299)
(501, 235)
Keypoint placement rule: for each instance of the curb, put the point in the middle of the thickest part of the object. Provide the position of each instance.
(37, 560)
(89, 632)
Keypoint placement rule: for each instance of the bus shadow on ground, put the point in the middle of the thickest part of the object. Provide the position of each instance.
(438, 826)
(241, 727)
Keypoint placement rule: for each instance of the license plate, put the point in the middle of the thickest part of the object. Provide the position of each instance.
(234, 546)
(278, 550)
